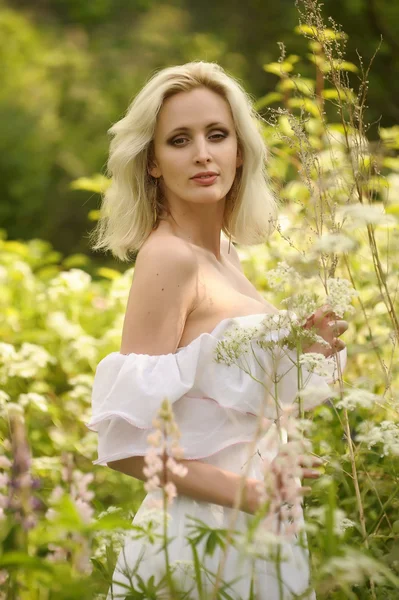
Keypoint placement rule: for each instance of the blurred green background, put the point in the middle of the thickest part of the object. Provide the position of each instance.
(71, 67)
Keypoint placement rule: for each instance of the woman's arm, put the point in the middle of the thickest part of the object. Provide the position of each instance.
(207, 483)
(203, 482)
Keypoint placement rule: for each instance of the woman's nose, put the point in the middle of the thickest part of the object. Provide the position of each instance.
(202, 152)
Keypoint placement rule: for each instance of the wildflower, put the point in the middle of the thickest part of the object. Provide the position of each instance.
(387, 434)
(37, 400)
(170, 490)
(340, 520)
(340, 295)
(363, 214)
(282, 276)
(58, 322)
(20, 501)
(354, 568)
(280, 489)
(28, 361)
(165, 440)
(317, 363)
(313, 395)
(69, 282)
(358, 398)
(334, 243)
(302, 305)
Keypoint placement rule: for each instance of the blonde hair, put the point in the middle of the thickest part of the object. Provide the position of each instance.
(132, 205)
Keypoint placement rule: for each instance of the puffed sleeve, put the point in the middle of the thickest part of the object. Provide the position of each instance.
(127, 392)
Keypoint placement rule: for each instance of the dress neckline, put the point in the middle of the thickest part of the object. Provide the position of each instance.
(222, 322)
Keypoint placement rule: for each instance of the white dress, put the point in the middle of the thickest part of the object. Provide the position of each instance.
(215, 407)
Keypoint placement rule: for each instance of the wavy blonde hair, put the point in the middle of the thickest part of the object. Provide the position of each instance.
(133, 205)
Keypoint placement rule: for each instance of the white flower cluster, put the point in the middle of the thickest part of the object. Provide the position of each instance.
(24, 363)
(317, 363)
(340, 295)
(271, 332)
(363, 214)
(65, 329)
(386, 433)
(74, 281)
(313, 395)
(353, 568)
(150, 516)
(282, 276)
(31, 398)
(333, 243)
(341, 522)
(358, 398)
(284, 320)
(302, 305)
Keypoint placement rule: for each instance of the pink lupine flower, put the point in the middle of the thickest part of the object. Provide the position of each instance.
(171, 491)
(162, 453)
(282, 490)
(84, 509)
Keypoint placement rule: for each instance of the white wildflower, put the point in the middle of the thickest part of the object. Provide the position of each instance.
(31, 398)
(120, 287)
(65, 329)
(4, 398)
(358, 398)
(29, 360)
(387, 434)
(334, 243)
(283, 321)
(340, 295)
(366, 214)
(264, 543)
(185, 567)
(317, 363)
(85, 347)
(151, 516)
(69, 282)
(302, 305)
(282, 276)
(341, 521)
(353, 568)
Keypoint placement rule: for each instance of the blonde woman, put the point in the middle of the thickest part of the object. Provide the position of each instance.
(188, 168)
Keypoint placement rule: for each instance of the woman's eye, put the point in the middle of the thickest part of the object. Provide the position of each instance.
(215, 135)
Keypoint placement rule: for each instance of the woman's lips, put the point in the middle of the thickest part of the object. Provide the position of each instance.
(205, 180)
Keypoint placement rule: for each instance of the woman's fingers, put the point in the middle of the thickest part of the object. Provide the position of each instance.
(338, 327)
(310, 474)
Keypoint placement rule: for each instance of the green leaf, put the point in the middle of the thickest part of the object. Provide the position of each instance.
(20, 559)
(268, 99)
(108, 273)
(97, 183)
(279, 69)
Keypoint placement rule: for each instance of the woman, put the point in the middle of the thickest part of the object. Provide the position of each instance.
(187, 163)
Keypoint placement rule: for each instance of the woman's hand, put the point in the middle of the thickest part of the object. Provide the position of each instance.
(252, 498)
(329, 327)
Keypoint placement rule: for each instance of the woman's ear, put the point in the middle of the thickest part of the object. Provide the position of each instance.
(153, 170)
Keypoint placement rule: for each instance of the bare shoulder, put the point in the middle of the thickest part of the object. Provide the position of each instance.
(161, 296)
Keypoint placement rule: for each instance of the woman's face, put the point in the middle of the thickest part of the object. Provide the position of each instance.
(194, 133)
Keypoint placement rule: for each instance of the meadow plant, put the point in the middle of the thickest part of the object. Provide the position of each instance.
(336, 242)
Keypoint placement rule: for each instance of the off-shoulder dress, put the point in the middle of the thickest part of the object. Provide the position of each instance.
(216, 408)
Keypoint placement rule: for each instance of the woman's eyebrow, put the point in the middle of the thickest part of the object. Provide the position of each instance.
(183, 128)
